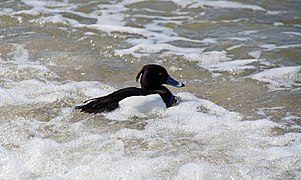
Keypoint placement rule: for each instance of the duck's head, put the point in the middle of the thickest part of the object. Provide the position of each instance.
(152, 76)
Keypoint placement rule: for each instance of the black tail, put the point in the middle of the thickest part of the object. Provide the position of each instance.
(98, 105)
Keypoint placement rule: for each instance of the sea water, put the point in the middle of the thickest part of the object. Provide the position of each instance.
(239, 116)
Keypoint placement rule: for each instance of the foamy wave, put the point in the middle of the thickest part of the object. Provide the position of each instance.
(217, 61)
(271, 47)
(27, 81)
(112, 22)
(20, 67)
(153, 37)
(35, 91)
(282, 78)
(146, 49)
(235, 66)
(218, 4)
(203, 136)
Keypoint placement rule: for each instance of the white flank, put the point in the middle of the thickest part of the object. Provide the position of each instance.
(143, 104)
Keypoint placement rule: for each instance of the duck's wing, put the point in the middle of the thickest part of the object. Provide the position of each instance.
(110, 102)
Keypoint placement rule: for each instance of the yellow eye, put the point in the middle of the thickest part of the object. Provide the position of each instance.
(160, 73)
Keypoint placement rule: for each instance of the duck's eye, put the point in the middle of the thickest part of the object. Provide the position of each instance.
(160, 73)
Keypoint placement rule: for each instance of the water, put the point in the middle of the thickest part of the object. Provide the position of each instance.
(240, 115)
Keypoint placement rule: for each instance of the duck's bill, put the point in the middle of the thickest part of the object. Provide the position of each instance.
(173, 82)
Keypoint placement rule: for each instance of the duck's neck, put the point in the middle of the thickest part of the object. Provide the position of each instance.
(165, 94)
(167, 97)
(153, 87)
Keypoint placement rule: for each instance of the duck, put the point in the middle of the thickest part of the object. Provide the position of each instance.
(152, 93)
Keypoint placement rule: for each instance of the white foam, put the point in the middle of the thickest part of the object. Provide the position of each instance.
(208, 58)
(193, 171)
(276, 12)
(105, 167)
(217, 61)
(239, 38)
(271, 47)
(108, 28)
(39, 7)
(282, 78)
(28, 82)
(235, 66)
(35, 91)
(150, 42)
(218, 4)
(234, 47)
(248, 32)
(255, 54)
(20, 66)
(11, 166)
(209, 40)
(111, 21)
(153, 37)
(147, 48)
(225, 146)
(292, 33)
(56, 19)
(278, 24)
